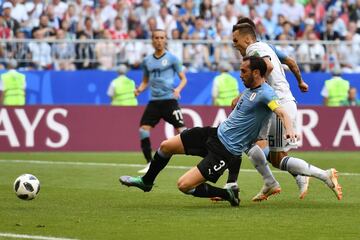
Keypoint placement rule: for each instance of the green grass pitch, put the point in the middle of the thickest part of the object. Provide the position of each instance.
(86, 201)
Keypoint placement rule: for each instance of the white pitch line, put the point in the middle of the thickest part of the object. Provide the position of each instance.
(129, 165)
(25, 236)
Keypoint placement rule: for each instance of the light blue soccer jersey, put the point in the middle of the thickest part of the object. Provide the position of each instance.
(243, 125)
(161, 73)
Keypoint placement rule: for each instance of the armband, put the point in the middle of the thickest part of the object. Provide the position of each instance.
(273, 104)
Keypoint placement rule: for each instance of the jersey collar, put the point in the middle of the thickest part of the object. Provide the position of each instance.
(160, 56)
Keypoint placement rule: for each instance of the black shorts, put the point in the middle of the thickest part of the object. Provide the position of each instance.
(205, 143)
(168, 110)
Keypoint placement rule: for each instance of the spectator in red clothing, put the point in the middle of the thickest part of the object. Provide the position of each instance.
(317, 8)
(10, 22)
(118, 31)
(5, 32)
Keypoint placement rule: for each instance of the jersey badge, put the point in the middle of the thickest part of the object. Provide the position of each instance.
(252, 96)
(164, 62)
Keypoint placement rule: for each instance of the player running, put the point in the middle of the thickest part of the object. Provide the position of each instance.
(159, 72)
(244, 39)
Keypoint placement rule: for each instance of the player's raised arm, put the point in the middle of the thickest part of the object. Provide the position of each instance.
(269, 65)
(294, 68)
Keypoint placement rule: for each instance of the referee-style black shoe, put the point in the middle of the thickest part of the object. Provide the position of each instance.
(233, 196)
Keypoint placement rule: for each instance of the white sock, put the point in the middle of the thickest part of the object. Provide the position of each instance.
(258, 159)
(298, 166)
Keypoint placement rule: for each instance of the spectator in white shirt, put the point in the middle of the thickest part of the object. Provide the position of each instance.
(145, 11)
(228, 19)
(40, 52)
(59, 8)
(165, 21)
(34, 10)
(312, 54)
(294, 12)
(107, 13)
(19, 13)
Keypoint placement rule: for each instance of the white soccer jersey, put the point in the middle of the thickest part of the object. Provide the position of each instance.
(276, 79)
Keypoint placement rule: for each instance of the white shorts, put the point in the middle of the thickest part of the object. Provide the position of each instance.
(274, 132)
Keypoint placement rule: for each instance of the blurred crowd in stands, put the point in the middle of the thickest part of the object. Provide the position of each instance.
(209, 20)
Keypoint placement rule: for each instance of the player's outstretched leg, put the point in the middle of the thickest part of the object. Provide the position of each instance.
(161, 159)
(301, 167)
(147, 181)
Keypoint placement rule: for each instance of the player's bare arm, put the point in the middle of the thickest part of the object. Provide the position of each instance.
(269, 66)
(285, 119)
(294, 68)
(183, 81)
(143, 86)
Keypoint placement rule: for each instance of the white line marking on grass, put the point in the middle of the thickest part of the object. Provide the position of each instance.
(129, 165)
(24, 236)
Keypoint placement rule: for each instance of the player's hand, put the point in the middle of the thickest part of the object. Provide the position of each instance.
(234, 102)
(137, 92)
(303, 87)
(177, 93)
(291, 137)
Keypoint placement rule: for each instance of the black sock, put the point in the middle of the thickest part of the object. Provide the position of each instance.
(234, 169)
(156, 165)
(205, 190)
(146, 148)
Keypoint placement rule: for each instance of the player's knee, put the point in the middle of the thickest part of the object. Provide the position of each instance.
(184, 186)
(166, 147)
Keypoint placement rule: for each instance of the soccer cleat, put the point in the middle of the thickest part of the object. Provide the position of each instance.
(145, 169)
(267, 191)
(233, 196)
(333, 183)
(303, 184)
(233, 185)
(135, 182)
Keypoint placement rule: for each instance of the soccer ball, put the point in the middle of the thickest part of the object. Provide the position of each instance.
(27, 187)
